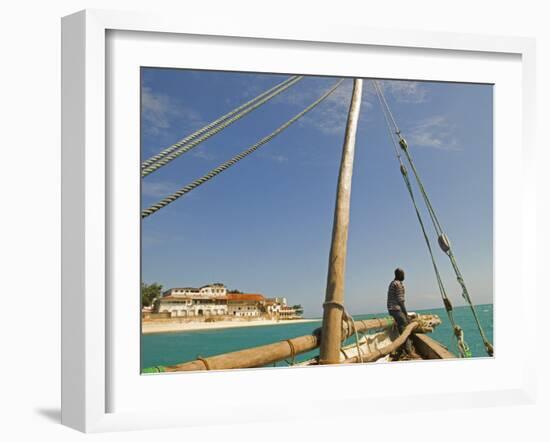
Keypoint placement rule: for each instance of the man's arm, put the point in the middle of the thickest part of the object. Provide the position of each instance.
(401, 301)
(403, 309)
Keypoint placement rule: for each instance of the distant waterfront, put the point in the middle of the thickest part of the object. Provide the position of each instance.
(174, 326)
(172, 348)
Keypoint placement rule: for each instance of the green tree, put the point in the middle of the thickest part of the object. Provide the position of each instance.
(150, 292)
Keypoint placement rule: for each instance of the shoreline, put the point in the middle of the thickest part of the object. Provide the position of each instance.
(158, 327)
(148, 328)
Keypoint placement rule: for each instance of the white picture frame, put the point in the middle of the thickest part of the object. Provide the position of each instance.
(87, 211)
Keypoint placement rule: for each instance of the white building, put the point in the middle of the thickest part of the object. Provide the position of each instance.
(214, 300)
(280, 300)
(209, 290)
(288, 312)
(277, 308)
(272, 308)
(242, 305)
(208, 300)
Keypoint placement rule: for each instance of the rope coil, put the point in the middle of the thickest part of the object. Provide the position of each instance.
(292, 351)
(350, 325)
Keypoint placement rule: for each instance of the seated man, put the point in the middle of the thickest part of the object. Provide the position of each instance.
(396, 307)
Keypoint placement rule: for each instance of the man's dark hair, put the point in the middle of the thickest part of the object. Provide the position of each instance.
(399, 274)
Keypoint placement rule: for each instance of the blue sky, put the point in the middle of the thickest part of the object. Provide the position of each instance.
(264, 225)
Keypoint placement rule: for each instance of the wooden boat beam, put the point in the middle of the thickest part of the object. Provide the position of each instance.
(271, 353)
(429, 348)
(384, 351)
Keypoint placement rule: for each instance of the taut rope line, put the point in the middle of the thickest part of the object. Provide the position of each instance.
(442, 237)
(186, 144)
(462, 346)
(188, 188)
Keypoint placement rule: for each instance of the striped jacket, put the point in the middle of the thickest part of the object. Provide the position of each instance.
(396, 295)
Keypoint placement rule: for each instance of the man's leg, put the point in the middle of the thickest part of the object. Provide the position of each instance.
(401, 321)
(408, 343)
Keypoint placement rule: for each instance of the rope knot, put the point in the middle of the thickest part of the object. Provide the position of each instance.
(335, 304)
(292, 351)
(459, 333)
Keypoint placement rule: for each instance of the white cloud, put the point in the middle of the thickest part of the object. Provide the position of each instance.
(330, 116)
(259, 83)
(204, 153)
(277, 158)
(161, 189)
(435, 132)
(157, 189)
(160, 112)
(405, 91)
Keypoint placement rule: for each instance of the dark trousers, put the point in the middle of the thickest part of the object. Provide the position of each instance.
(402, 321)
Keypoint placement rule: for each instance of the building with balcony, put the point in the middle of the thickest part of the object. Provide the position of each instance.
(214, 300)
(250, 305)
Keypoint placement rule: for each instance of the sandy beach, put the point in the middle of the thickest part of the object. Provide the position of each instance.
(171, 326)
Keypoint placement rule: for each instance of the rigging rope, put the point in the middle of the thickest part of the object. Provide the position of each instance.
(186, 189)
(404, 174)
(351, 326)
(348, 320)
(443, 240)
(191, 141)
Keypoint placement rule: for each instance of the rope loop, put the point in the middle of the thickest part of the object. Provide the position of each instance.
(292, 351)
(335, 304)
(351, 326)
(348, 320)
(463, 347)
(205, 362)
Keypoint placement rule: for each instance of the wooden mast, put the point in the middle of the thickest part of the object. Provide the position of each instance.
(331, 336)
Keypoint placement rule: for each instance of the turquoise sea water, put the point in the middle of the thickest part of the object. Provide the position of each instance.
(172, 348)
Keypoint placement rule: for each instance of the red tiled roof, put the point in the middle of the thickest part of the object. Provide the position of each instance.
(245, 297)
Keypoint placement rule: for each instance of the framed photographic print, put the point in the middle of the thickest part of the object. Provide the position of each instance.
(250, 214)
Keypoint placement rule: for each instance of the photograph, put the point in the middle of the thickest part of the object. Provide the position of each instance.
(292, 220)
(256, 221)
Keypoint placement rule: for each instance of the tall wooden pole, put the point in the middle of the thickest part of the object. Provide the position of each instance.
(331, 336)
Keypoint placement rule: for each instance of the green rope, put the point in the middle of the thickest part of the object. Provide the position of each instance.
(156, 369)
(405, 175)
(448, 251)
(435, 221)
